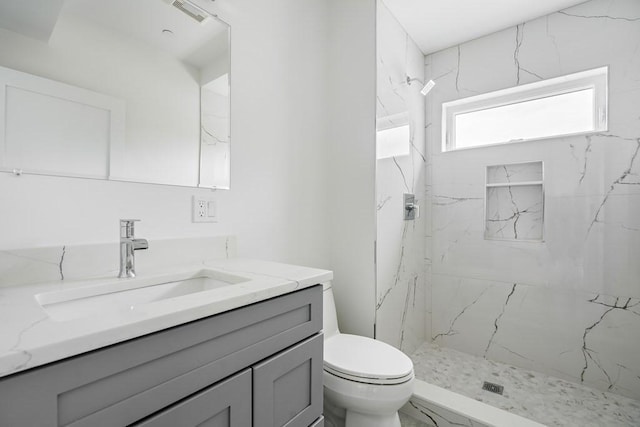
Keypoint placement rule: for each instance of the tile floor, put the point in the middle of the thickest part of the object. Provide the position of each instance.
(539, 397)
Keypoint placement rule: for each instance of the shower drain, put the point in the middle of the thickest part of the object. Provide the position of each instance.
(493, 388)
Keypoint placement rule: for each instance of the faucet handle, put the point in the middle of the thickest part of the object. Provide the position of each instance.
(127, 229)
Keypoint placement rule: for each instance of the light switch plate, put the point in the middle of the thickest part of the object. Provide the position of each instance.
(204, 209)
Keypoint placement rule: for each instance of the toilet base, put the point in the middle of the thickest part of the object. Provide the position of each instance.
(352, 404)
(339, 417)
(333, 415)
(355, 419)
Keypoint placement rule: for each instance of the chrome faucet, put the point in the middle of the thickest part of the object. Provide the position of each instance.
(129, 244)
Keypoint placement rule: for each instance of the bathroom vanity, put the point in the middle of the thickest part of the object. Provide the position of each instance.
(258, 363)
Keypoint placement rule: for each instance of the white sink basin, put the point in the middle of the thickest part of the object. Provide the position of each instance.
(128, 294)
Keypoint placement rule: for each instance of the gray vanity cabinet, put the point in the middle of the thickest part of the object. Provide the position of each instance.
(222, 405)
(287, 388)
(259, 365)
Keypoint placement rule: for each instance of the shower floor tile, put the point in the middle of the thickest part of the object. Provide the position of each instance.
(536, 396)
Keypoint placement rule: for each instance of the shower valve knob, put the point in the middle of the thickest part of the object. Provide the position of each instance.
(411, 208)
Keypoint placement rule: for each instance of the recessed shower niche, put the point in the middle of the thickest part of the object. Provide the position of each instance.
(514, 202)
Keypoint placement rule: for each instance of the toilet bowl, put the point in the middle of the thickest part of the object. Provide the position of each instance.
(365, 381)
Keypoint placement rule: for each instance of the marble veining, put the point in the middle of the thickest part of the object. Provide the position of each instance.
(64, 251)
(404, 178)
(493, 319)
(71, 262)
(587, 150)
(400, 285)
(618, 181)
(516, 52)
(386, 293)
(515, 213)
(407, 421)
(438, 417)
(383, 202)
(622, 18)
(451, 330)
(498, 317)
(30, 338)
(438, 406)
(590, 355)
(542, 398)
(515, 172)
(566, 304)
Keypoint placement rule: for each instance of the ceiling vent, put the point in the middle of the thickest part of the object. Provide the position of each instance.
(190, 10)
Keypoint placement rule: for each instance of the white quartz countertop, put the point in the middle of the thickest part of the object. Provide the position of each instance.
(30, 338)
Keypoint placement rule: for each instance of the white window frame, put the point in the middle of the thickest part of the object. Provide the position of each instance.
(596, 79)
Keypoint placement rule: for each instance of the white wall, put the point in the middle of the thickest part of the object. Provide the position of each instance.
(351, 141)
(277, 204)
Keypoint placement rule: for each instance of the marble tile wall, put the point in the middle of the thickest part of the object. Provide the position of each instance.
(514, 211)
(569, 305)
(400, 304)
(53, 264)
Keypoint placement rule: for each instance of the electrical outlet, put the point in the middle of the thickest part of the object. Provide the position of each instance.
(204, 209)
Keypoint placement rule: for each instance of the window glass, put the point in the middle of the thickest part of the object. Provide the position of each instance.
(539, 118)
(568, 105)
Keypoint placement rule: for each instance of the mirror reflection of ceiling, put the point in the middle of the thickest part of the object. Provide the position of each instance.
(33, 18)
(164, 26)
(438, 24)
(184, 37)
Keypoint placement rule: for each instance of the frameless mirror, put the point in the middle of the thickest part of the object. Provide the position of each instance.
(121, 90)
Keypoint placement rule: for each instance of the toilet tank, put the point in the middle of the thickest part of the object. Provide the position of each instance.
(329, 317)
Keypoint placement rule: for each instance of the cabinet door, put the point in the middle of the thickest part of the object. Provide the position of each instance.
(287, 388)
(225, 404)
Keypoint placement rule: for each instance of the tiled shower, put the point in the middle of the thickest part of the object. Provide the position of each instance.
(524, 254)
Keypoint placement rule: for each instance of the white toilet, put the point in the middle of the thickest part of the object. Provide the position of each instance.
(365, 381)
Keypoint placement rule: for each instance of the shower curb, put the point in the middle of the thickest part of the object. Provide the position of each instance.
(440, 407)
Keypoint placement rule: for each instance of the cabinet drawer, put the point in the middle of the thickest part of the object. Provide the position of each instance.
(287, 388)
(226, 404)
(126, 382)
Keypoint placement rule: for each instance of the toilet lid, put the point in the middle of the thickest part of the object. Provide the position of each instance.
(366, 360)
